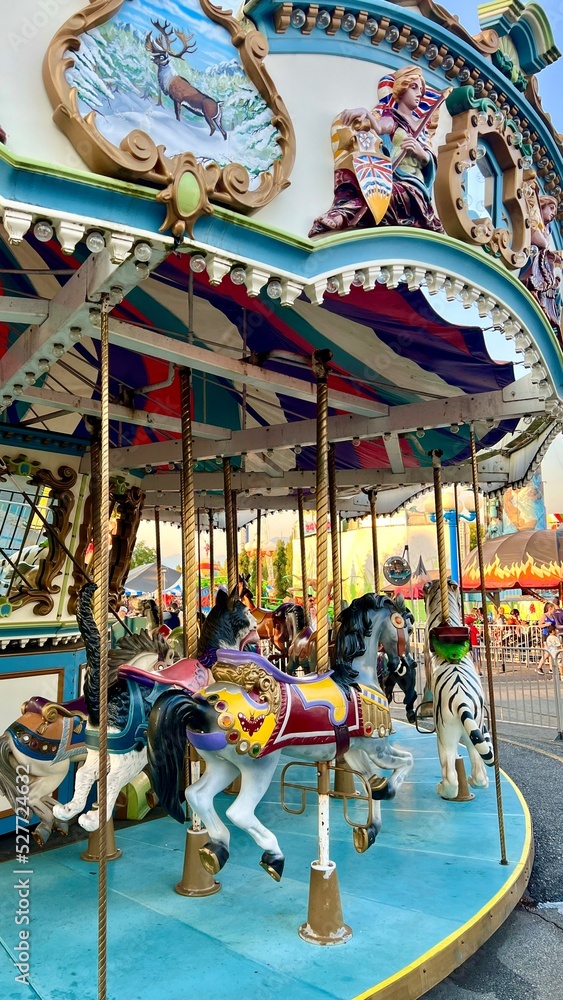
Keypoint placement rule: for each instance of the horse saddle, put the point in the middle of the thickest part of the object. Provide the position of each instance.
(49, 741)
(238, 658)
(188, 674)
(50, 711)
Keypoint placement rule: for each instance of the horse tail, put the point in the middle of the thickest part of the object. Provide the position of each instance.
(481, 740)
(7, 771)
(91, 637)
(166, 748)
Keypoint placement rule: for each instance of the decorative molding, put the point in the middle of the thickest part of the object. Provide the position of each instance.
(471, 121)
(188, 186)
(486, 42)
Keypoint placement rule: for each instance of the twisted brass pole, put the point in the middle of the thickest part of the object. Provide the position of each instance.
(101, 549)
(334, 536)
(374, 546)
(189, 555)
(303, 557)
(158, 564)
(441, 537)
(320, 370)
(258, 559)
(458, 539)
(487, 638)
(227, 489)
(211, 561)
(235, 532)
(198, 562)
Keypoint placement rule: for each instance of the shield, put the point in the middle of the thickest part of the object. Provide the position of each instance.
(374, 173)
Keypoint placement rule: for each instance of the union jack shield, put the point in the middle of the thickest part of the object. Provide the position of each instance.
(375, 177)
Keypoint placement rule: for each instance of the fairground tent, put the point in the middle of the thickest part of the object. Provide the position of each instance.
(143, 579)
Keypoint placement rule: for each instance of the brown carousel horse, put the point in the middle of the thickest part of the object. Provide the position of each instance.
(280, 626)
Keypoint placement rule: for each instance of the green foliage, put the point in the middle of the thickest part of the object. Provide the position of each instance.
(142, 554)
(244, 563)
(281, 571)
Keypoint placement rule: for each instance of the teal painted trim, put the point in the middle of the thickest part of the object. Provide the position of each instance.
(40, 440)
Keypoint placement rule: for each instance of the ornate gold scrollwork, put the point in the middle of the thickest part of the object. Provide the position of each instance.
(459, 154)
(188, 185)
(252, 678)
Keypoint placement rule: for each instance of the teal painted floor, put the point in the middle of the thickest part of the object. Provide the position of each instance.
(433, 867)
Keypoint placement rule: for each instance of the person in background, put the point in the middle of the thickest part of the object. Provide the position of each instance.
(551, 647)
(475, 638)
(547, 619)
(172, 618)
(558, 617)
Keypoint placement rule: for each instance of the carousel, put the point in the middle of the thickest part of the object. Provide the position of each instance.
(293, 258)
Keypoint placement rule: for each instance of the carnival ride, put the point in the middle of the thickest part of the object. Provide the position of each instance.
(344, 380)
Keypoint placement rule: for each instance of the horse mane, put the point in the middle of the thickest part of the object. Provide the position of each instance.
(226, 619)
(355, 626)
(129, 646)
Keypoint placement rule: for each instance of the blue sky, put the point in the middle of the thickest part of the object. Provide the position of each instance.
(551, 78)
(214, 45)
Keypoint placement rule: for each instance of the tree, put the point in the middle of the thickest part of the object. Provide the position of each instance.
(142, 554)
(244, 563)
(281, 576)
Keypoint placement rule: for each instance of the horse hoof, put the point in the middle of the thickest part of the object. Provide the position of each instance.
(62, 828)
(41, 836)
(364, 837)
(273, 864)
(213, 857)
(88, 822)
(380, 788)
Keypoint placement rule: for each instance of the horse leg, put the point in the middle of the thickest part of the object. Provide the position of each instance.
(358, 760)
(399, 761)
(447, 752)
(85, 778)
(256, 778)
(39, 802)
(123, 767)
(217, 775)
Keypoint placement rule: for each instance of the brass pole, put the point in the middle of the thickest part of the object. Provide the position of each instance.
(211, 561)
(258, 559)
(441, 537)
(198, 563)
(101, 550)
(458, 537)
(189, 555)
(487, 638)
(320, 370)
(306, 615)
(334, 536)
(375, 548)
(158, 564)
(235, 532)
(227, 489)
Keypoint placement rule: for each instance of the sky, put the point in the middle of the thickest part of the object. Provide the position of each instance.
(551, 80)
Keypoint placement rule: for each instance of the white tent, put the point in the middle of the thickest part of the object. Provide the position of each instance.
(143, 579)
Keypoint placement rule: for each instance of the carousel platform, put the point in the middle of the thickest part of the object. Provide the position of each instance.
(423, 899)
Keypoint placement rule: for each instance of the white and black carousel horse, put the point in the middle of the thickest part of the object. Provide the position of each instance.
(459, 708)
(243, 722)
(400, 670)
(132, 692)
(48, 737)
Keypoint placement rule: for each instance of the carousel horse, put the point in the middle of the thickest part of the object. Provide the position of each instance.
(402, 672)
(133, 690)
(254, 711)
(273, 625)
(48, 737)
(459, 709)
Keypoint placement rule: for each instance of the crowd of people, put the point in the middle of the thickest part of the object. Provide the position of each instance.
(508, 628)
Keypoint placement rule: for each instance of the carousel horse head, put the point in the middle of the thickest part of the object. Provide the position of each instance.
(369, 616)
(150, 652)
(229, 625)
(149, 609)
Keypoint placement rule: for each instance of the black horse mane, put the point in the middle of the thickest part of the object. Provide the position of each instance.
(355, 626)
(226, 619)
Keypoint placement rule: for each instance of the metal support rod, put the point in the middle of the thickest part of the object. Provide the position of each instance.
(211, 560)
(487, 638)
(258, 558)
(334, 536)
(303, 557)
(235, 532)
(189, 600)
(320, 370)
(441, 537)
(229, 528)
(22, 546)
(17, 570)
(323, 786)
(458, 538)
(158, 564)
(101, 602)
(375, 548)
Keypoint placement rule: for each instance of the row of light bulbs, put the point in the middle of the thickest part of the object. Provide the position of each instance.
(95, 241)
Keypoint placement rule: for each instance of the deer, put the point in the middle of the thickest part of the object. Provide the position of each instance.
(176, 87)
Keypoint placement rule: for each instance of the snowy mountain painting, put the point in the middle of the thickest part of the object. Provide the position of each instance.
(133, 82)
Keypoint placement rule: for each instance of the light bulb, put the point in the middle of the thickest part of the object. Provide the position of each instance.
(95, 241)
(348, 23)
(448, 63)
(464, 74)
(58, 350)
(454, 428)
(412, 43)
(520, 258)
(431, 52)
(371, 27)
(392, 34)
(30, 377)
(171, 467)
(238, 274)
(356, 442)
(148, 468)
(43, 231)
(297, 449)
(44, 364)
(383, 276)
(420, 432)
(359, 279)
(332, 285)
(95, 316)
(198, 263)
(274, 289)
(75, 333)
(143, 252)
(142, 269)
(407, 275)
(17, 389)
(481, 151)
(498, 119)
(527, 162)
(7, 399)
(323, 19)
(298, 18)
(483, 119)
(517, 139)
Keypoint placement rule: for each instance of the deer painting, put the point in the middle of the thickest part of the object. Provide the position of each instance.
(176, 87)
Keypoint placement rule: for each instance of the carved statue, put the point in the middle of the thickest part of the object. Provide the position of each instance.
(384, 162)
(542, 274)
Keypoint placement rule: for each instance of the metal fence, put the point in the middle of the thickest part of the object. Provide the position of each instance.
(526, 693)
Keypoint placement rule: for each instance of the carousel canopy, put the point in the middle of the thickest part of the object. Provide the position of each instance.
(523, 559)
(144, 580)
